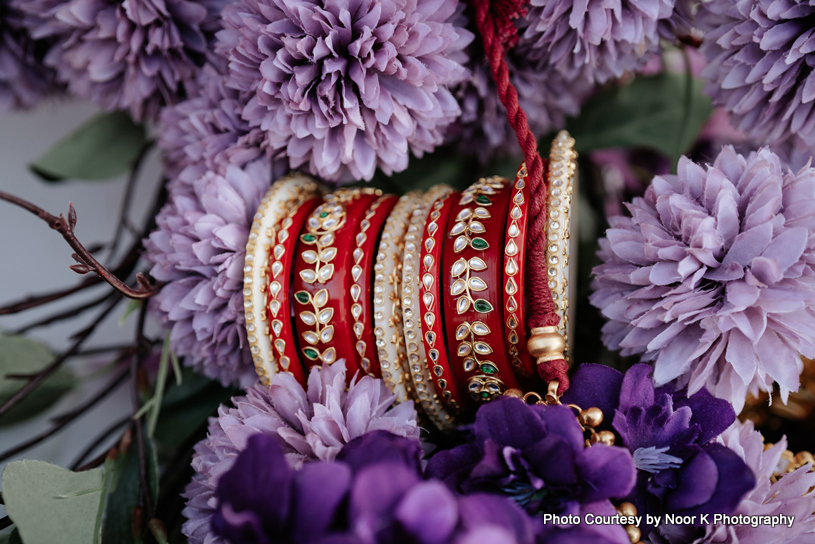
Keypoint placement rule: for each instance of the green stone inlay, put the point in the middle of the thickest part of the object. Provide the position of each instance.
(302, 297)
(482, 306)
(324, 214)
(487, 368)
(308, 238)
(311, 353)
(485, 395)
(483, 199)
(479, 243)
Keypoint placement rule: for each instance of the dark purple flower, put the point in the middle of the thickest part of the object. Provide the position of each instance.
(135, 55)
(761, 55)
(712, 276)
(206, 132)
(681, 469)
(263, 500)
(545, 96)
(24, 79)
(538, 456)
(593, 40)
(198, 250)
(346, 87)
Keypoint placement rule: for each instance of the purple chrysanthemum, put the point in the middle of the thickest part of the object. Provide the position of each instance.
(712, 276)
(374, 501)
(793, 495)
(346, 87)
(544, 95)
(24, 79)
(761, 66)
(134, 55)
(672, 438)
(199, 250)
(206, 132)
(536, 455)
(311, 425)
(594, 40)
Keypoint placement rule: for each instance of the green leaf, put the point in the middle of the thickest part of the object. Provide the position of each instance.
(663, 112)
(102, 148)
(51, 504)
(20, 355)
(124, 494)
(132, 306)
(187, 407)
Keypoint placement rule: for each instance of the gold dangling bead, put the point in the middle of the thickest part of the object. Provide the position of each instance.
(546, 344)
(634, 533)
(627, 509)
(592, 417)
(514, 393)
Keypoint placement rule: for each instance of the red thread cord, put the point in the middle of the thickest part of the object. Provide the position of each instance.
(494, 23)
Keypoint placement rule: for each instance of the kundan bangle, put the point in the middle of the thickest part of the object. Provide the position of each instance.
(322, 278)
(285, 197)
(425, 391)
(390, 340)
(432, 323)
(473, 319)
(361, 288)
(562, 168)
(513, 268)
(281, 331)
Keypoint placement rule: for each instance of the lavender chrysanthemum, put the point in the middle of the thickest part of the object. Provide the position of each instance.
(24, 79)
(206, 132)
(594, 40)
(793, 494)
(312, 425)
(346, 87)
(712, 276)
(544, 95)
(761, 55)
(134, 55)
(199, 250)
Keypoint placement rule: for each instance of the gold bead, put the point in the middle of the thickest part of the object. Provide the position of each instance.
(788, 456)
(514, 393)
(627, 509)
(591, 417)
(804, 457)
(634, 534)
(606, 437)
(546, 344)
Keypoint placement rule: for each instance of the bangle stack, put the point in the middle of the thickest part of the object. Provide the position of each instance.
(425, 291)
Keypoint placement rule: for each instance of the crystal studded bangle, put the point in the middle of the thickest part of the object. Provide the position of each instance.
(562, 168)
(432, 300)
(473, 259)
(285, 197)
(322, 278)
(390, 340)
(365, 242)
(424, 390)
(513, 271)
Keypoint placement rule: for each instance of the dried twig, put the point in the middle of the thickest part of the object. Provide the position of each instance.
(86, 262)
(68, 417)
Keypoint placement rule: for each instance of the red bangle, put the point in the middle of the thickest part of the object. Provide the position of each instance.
(431, 302)
(322, 278)
(281, 333)
(514, 259)
(361, 289)
(473, 317)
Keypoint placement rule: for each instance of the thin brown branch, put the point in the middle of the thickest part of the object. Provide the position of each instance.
(86, 262)
(66, 314)
(68, 417)
(104, 435)
(24, 391)
(145, 495)
(127, 197)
